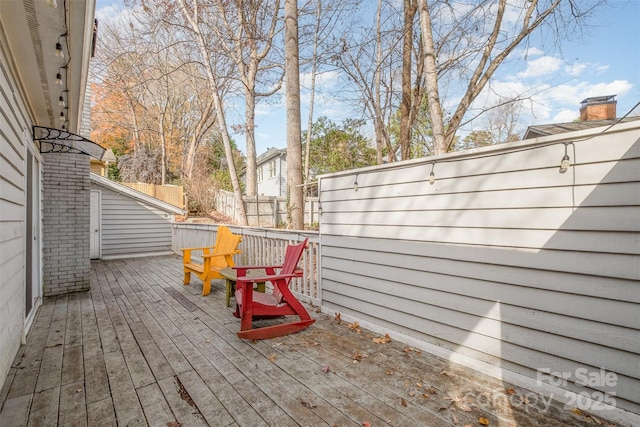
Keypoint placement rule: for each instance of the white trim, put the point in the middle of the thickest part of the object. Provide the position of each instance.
(99, 209)
(137, 255)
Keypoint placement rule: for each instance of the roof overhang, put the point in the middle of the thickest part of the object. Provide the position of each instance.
(32, 28)
(61, 141)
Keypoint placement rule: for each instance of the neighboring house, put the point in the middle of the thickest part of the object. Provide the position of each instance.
(271, 168)
(44, 171)
(126, 222)
(101, 166)
(595, 112)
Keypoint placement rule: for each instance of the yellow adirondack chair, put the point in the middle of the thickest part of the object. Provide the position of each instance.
(216, 258)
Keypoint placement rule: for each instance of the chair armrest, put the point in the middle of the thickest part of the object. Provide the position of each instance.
(266, 278)
(237, 251)
(253, 267)
(196, 249)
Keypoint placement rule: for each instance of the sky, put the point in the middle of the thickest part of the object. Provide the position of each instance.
(605, 61)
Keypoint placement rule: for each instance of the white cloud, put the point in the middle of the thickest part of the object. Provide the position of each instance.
(566, 116)
(532, 51)
(575, 69)
(542, 66)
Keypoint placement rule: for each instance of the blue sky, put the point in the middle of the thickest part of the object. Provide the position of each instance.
(605, 61)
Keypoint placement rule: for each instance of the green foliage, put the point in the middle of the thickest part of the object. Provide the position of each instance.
(336, 148)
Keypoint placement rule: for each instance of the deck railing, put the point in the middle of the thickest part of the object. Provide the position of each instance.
(261, 246)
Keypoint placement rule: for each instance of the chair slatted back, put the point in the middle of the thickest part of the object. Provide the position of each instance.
(291, 258)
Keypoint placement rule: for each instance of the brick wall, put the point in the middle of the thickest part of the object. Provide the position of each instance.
(601, 111)
(65, 189)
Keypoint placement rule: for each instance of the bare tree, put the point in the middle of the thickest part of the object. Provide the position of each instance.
(294, 147)
(476, 41)
(192, 13)
(247, 32)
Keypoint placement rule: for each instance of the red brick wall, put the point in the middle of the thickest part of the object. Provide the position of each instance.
(604, 111)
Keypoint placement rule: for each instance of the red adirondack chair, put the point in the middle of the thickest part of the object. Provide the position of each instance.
(251, 304)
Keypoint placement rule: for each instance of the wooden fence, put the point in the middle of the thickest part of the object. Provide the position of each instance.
(265, 211)
(173, 194)
(261, 247)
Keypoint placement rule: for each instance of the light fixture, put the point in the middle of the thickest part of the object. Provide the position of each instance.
(355, 184)
(62, 117)
(432, 175)
(59, 79)
(565, 163)
(61, 101)
(52, 3)
(59, 52)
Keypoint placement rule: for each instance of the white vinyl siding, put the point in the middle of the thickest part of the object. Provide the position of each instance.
(130, 227)
(503, 259)
(14, 130)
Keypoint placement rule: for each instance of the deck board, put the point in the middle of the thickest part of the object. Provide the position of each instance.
(140, 348)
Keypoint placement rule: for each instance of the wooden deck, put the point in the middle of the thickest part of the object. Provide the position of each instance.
(142, 349)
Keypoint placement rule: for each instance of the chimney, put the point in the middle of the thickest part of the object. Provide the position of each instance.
(598, 108)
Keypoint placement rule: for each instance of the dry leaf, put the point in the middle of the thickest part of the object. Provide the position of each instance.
(382, 340)
(576, 411)
(412, 393)
(318, 310)
(403, 402)
(447, 373)
(355, 327)
(174, 424)
(510, 391)
(307, 404)
(326, 369)
(366, 424)
(272, 358)
(464, 407)
(425, 395)
(432, 390)
(389, 372)
(407, 349)
(357, 355)
(337, 318)
(454, 418)
(483, 421)
(418, 385)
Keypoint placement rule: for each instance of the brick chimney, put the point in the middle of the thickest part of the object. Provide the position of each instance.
(598, 108)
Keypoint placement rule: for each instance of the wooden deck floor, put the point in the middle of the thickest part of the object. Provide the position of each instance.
(142, 349)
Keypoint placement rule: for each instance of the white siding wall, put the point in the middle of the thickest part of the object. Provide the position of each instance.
(503, 259)
(131, 228)
(14, 125)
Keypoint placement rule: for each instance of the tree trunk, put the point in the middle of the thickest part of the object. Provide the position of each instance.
(294, 149)
(431, 81)
(405, 106)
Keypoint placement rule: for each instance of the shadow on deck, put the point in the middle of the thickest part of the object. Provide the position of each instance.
(142, 349)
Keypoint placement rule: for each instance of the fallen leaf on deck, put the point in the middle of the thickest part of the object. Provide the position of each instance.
(576, 411)
(483, 421)
(510, 391)
(382, 340)
(272, 358)
(326, 369)
(425, 395)
(357, 356)
(418, 385)
(337, 318)
(78, 390)
(355, 327)
(389, 372)
(432, 390)
(454, 418)
(318, 310)
(412, 393)
(174, 424)
(447, 373)
(403, 402)
(366, 424)
(452, 397)
(307, 404)
(464, 407)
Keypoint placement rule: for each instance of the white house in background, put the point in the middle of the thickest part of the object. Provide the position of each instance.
(271, 168)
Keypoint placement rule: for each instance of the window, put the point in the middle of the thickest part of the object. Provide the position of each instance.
(272, 168)
(259, 173)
